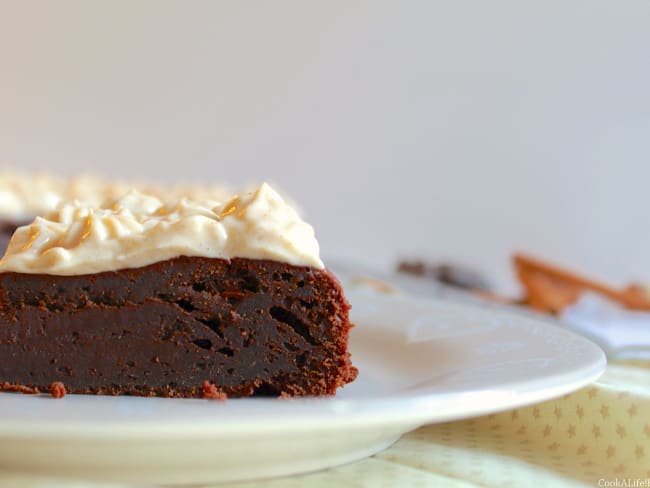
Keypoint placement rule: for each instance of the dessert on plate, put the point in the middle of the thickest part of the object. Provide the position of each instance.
(184, 299)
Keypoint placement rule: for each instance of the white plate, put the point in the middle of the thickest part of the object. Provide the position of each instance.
(420, 361)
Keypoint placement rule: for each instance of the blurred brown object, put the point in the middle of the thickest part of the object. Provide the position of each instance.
(551, 289)
(447, 274)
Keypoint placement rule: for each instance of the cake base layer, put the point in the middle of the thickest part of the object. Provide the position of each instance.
(248, 327)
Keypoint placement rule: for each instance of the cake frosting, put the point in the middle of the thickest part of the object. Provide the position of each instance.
(23, 196)
(194, 191)
(94, 190)
(138, 229)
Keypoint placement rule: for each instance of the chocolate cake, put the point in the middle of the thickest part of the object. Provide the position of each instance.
(138, 298)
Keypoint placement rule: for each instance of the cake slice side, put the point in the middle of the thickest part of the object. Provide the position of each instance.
(249, 327)
(137, 296)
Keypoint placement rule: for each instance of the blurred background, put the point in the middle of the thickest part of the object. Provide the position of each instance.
(459, 130)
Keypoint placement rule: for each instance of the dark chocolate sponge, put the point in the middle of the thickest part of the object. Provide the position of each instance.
(250, 327)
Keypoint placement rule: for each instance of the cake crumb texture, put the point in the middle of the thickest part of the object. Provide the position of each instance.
(211, 392)
(57, 389)
(18, 388)
(248, 327)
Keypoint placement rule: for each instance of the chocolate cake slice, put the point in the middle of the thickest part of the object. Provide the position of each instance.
(139, 298)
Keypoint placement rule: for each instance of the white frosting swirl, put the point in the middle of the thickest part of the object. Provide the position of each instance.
(94, 190)
(138, 229)
(23, 196)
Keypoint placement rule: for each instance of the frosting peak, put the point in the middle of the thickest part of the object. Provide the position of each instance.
(138, 229)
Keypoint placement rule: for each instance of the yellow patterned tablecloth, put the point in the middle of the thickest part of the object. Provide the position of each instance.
(592, 437)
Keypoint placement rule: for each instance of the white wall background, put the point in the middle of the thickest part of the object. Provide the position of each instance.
(459, 129)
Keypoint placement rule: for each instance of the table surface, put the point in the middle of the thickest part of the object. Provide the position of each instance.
(601, 432)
